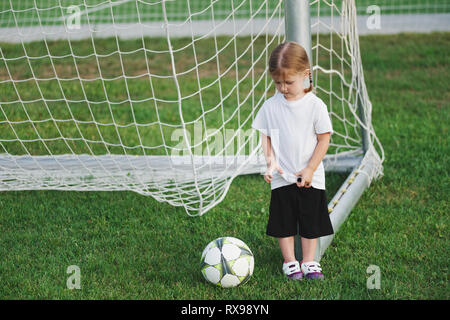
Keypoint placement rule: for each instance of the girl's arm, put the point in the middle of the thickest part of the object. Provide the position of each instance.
(267, 148)
(270, 158)
(323, 142)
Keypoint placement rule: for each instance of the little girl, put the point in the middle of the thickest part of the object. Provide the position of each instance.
(295, 133)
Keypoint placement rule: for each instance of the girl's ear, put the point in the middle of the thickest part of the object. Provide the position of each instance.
(307, 72)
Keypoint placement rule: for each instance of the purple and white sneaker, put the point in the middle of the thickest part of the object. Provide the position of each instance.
(292, 270)
(312, 270)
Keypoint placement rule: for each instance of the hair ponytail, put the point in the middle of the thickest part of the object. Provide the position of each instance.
(310, 83)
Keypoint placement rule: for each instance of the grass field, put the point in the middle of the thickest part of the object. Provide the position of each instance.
(133, 247)
(80, 99)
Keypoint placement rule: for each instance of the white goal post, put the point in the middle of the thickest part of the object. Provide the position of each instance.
(158, 96)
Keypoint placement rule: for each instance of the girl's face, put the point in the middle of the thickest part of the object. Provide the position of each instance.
(291, 85)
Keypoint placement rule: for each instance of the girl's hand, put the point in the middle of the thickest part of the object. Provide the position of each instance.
(271, 167)
(307, 175)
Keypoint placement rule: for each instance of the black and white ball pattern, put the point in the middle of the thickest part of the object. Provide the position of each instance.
(227, 262)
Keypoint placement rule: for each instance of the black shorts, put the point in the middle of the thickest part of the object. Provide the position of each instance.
(292, 207)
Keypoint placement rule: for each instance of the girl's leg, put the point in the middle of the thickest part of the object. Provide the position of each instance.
(308, 249)
(287, 248)
(310, 268)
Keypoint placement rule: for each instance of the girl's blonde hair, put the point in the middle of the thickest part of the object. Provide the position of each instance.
(289, 58)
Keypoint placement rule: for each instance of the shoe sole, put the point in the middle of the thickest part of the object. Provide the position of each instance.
(314, 276)
(296, 277)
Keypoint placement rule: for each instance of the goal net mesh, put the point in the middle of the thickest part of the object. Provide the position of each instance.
(158, 97)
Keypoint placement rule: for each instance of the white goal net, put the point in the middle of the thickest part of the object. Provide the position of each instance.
(158, 97)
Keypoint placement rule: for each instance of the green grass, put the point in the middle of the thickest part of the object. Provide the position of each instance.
(133, 247)
(64, 100)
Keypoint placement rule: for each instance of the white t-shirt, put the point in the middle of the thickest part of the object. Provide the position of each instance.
(292, 127)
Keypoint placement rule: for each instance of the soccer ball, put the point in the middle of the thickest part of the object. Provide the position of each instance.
(227, 262)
